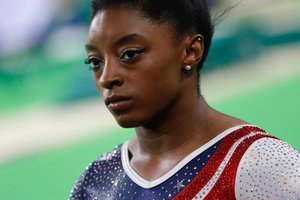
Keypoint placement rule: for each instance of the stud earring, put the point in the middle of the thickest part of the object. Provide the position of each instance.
(188, 68)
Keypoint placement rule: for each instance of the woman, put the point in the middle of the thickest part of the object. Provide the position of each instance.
(146, 56)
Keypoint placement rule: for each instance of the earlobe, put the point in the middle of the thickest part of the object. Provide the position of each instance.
(194, 50)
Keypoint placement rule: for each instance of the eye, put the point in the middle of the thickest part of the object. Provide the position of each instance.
(94, 63)
(130, 55)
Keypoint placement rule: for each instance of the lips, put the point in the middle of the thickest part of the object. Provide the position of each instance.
(117, 103)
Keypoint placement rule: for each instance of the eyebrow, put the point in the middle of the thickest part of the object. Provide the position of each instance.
(128, 38)
(119, 42)
(89, 47)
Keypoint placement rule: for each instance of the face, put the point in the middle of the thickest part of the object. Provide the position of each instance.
(137, 66)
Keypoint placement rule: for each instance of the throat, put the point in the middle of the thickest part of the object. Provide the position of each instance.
(152, 168)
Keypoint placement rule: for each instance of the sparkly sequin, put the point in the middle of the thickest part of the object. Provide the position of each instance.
(229, 168)
(107, 179)
(207, 174)
(226, 181)
(270, 169)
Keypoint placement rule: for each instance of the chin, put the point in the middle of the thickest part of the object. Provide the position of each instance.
(129, 122)
(126, 123)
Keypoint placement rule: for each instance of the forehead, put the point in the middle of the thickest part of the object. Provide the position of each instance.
(114, 18)
(117, 22)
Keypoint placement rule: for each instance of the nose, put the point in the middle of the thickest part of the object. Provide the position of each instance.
(110, 76)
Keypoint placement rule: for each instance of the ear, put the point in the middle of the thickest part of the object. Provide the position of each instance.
(194, 48)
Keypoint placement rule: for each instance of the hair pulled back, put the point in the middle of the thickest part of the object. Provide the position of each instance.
(186, 16)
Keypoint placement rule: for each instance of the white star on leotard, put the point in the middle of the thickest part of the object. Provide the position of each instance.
(179, 185)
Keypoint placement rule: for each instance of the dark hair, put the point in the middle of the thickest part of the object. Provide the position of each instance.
(186, 16)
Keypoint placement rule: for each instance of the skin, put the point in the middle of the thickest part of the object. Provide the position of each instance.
(162, 103)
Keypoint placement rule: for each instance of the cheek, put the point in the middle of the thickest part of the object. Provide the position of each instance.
(167, 79)
(161, 75)
(160, 87)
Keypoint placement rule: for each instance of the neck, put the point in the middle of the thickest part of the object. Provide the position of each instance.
(157, 149)
(181, 132)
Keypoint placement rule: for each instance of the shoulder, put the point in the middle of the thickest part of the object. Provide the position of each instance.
(89, 179)
(270, 168)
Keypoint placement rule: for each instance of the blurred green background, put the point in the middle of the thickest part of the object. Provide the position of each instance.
(252, 72)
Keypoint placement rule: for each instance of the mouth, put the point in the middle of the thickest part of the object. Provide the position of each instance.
(117, 103)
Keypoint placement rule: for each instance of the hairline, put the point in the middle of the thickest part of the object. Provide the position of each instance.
(177, 36)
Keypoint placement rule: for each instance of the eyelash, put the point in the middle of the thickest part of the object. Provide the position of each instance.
(135, 52)
(95, 64)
